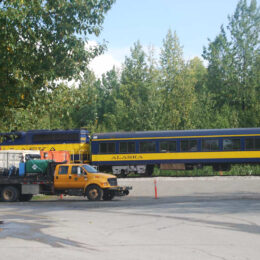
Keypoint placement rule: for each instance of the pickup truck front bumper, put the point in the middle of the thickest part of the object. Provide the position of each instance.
(121, 191)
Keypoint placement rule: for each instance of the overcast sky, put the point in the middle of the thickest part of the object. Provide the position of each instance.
(149, 21)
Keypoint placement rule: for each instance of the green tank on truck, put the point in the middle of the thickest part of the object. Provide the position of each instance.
(36, 166)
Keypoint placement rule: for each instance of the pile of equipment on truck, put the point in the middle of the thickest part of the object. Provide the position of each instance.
(10, 160)
(26, 163)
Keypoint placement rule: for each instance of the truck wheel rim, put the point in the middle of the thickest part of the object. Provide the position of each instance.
(94, 193)
(7, 195)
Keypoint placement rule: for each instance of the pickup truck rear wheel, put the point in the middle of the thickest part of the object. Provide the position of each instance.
(9, 194)
(94, 192)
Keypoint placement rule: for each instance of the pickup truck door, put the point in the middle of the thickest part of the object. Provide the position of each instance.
(61, 179)
(78, 177)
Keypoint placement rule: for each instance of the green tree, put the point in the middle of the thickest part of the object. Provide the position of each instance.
(135, 94)
(202, 105)
(43, 41)
(53, 110)
(108, 89)
(153, 81)
(233, 75)
(85, 110)
(176, 89)
(198, 73)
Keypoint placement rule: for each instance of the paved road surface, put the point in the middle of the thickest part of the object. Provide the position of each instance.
(196, 223)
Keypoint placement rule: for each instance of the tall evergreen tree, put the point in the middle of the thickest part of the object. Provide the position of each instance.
(108, 95)
(85, 111)
(233, 76)
(134, 95)
(177, 94)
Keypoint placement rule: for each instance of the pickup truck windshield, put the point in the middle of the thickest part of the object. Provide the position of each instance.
(90, 169)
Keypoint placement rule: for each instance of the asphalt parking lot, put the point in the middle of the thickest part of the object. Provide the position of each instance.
(205, 218)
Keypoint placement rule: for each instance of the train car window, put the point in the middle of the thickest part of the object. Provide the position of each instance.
(231, 144)
(56, 137)
(111, 148)
(168, 146)
(102, 148)
(249, 144)
(257, 143)
(210, 145)
(189, 145)
(131, 147)
(147, 147)
(123, 147)
(107, 148)
(127, 147)
(252, 143)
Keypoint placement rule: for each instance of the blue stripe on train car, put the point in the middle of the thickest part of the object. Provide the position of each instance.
(176, 133)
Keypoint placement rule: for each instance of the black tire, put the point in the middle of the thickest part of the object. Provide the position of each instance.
(94, 192)
(9, 194)
(26, 197)
(108, 195)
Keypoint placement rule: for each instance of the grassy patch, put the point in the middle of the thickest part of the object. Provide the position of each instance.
(236, 170)
(44, 197)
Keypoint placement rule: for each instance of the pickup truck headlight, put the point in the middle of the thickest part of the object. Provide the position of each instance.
(105, 183)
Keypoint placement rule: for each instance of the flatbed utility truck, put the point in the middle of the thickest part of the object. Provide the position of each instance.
(58, 178)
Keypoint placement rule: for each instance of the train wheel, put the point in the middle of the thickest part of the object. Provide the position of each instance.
(94, 193)
(9, 194)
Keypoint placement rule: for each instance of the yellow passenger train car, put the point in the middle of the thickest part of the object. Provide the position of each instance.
(77, 142)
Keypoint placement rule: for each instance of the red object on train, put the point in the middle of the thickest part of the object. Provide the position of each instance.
(57, 156)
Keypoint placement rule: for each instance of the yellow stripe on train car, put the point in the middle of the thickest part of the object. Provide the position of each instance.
(74, 148)
(176, 156)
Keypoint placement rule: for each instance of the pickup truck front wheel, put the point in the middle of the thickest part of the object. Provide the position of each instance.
(94, 192)
(9, 194)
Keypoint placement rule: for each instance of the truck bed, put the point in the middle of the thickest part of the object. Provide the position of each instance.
(25, 180)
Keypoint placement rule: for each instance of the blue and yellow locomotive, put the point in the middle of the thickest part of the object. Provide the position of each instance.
(77, 142)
